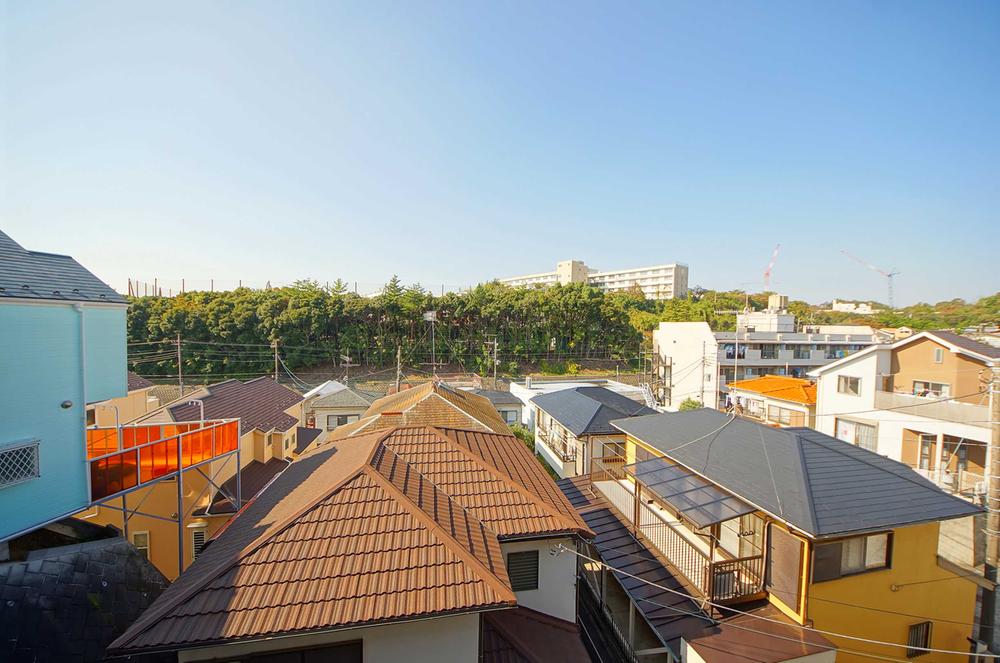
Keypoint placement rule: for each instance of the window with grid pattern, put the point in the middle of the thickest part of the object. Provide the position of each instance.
(19, 463)
(919, 636)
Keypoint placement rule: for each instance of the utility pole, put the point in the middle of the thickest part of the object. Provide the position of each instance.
(496, 360)
(703, 367)
(989, 604)
(180, 371)
(274, 345)
(399, 367)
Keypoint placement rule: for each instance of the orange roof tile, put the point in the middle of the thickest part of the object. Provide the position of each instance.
(781, 387)
(387, 526)
(432, 403)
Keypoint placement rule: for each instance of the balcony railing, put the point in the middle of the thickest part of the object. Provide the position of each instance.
(971, 485)
(558, 444)
(954, 411)
(721, 580)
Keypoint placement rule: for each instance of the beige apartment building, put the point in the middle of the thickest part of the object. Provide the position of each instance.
(656, 282)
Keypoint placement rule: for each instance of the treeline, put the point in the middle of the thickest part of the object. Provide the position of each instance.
(228, 334)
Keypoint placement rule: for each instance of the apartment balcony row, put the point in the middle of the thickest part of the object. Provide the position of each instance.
(696, 554)
(925, 406)
(793, 337)
(758, 356)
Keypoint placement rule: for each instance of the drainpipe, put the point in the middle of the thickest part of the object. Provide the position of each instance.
(83, 394)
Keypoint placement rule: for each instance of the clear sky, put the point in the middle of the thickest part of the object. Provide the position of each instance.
(456, 142)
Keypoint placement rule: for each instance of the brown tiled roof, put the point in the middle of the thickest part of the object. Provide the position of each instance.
(136, 381)
(433, 404)
(523, 635)
(253, 478)
(351, 534)
(259, 404)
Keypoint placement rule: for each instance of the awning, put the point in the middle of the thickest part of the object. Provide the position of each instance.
(695, 499)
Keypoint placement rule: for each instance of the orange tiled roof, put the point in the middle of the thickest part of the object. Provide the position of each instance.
(433, 404)
(388, 526)
(781, 387)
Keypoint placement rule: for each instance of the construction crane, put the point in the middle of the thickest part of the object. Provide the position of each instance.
(888, 275)
(770, 266)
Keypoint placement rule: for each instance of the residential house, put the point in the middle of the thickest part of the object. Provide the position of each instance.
(137, 402)
(777, 400)
(535, 386)
(432, 403)
(269, 415)
(694, 362)
(64, 349)
(788, 524)
(573, 426)
(333, 404)
(417, 543)
(922, 400)
(508, 406)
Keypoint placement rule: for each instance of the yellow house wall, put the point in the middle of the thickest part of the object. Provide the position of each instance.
(914, 559)
(916, 362)
(130, 406)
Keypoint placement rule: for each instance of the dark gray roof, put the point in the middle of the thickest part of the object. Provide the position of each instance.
(498, 397)
(258, 404)
(818, 484)
(136, 381)
(346, 397)
(34, 275)
(968, 344)
(589, 410)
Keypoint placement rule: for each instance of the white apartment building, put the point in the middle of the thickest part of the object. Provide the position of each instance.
(657, 282)
(922, 401)
(692, 361)
(863, 308)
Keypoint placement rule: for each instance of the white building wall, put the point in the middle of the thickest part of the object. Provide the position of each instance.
(444, 639)
(556, 593)
(692, 351)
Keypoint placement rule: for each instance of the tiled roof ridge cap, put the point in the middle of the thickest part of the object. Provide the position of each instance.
(492, 469)
(146, 620)
(502, 586)
(462, 411)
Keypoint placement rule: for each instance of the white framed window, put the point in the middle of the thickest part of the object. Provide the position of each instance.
(938, 355)
(141, 542)
(19, 462)
(857, 433)
(197, 541)
(509, 416)
(931, 389)
(848, 385)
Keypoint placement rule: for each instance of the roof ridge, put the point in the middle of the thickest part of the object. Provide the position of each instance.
(457, 409)
(806, 484)
(146, 620)
(492, 469)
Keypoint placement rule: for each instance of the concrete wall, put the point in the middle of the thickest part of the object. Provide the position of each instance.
(442, 640)
(691, 350)
(41, 366)
(556, 593)
(131, 406)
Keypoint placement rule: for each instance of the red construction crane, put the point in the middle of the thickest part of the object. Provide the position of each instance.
(888, 275)
(770, 266)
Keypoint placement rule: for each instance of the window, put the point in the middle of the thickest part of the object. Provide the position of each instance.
(509, 416)
(919, 636)
(849, 556)
(849, 385)
(19, 463)
(768, 351)
(522, 569)
(857, 433)
(91, 416)
(197, 542)
(802, 351)
(642, 454)
(141, 542)
(784, 416)
(334, 420)
(938, 355)
(931, 389)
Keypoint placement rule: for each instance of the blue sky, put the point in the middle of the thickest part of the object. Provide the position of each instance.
(455, 142)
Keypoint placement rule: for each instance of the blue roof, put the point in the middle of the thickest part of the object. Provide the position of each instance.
(589, 410)
(35, 275)
(818, 484)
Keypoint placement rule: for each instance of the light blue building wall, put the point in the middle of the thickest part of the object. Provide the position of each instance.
(51, 353)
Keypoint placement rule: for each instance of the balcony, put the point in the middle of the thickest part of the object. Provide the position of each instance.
(558, 444)
(708, 569)
(924, 406)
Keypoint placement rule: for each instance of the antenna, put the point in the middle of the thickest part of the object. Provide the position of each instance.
(888, 275)
(770, 266)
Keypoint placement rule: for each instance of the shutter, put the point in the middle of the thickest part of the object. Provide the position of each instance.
(784, 564)
(826, 561)
(918, 636)
(197, 541)
(522, 569)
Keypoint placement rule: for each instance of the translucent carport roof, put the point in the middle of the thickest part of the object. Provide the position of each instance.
(694, 498)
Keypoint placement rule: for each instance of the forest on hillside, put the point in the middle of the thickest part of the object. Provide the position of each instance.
(229, 334)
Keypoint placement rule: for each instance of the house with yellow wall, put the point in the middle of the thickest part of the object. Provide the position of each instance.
(805, 535)
(134, 404)
(270, 437)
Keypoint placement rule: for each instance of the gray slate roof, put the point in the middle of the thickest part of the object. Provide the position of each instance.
(968, 344)
(818, 484)
(346, 397)
(136, 381)
(498, 397)
(35, 275)
(589, 410)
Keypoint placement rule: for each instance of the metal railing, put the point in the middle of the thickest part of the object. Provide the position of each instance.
(957, 482)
